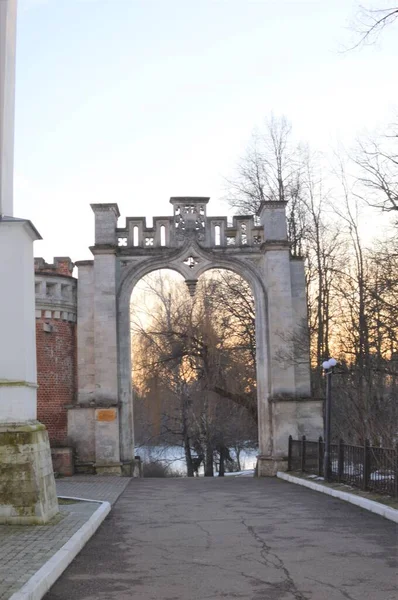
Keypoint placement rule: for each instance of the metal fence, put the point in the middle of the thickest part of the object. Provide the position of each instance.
(366, 467)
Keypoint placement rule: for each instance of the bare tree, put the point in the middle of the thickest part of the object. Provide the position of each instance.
(377, 160)
(364, 325)
(370, 22)
(197, 355)
(271, 170)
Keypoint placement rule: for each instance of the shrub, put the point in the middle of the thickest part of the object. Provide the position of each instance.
(156, 468)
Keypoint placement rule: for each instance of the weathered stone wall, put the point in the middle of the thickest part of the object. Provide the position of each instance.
(81, 435)
(63, 461)
(27, 487)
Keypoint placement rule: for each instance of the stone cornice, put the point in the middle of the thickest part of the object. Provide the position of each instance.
(189, 199)
(271, 204)
(167, 251)
(104, 249)
(27, 225)
(292, 398)
(272, 245)
(55, 304)
(15, 383)
(84, 263)
(106, 207)
(94, 404)
(54, 275)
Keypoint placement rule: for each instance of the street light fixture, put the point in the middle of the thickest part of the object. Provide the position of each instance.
(328, 368)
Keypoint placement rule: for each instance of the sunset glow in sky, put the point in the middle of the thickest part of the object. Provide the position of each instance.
(134, 101)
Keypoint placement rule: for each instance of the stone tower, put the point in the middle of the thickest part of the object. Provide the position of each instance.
(56, 306)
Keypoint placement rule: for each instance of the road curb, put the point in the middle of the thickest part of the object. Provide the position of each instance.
(39, 584)
(379, 509)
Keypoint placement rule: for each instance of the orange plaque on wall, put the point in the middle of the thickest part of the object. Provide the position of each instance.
(106, 414)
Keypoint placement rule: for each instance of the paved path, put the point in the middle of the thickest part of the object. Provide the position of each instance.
(93, 487)
(211, 539)
(25, 548)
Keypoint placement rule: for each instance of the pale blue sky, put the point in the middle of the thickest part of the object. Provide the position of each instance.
(133, 101)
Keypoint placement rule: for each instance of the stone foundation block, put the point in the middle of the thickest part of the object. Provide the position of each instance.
(108, 469)
(268, 466)
(62, 459)
(27, 485)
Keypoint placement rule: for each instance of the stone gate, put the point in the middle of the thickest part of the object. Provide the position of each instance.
(101, 423)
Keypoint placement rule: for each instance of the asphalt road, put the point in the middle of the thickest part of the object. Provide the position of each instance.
(247, 538)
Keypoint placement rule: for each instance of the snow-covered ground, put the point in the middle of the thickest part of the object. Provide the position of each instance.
(173, 457)
(248, 473)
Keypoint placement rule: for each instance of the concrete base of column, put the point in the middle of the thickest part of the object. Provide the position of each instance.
(128, 468)
(27, 487)
(108, 469)
(132, 468)
(268, 466)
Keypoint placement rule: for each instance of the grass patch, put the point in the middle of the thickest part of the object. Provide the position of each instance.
(63, 501)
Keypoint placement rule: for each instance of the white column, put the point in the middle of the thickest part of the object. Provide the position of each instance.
(17, 322)
(17, 300)
(27, 486)
(8, 26)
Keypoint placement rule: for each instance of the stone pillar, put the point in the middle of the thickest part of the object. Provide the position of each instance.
(27, 486)
(291, 410)
(262, 372)
(127, 447)
(81, 415)
(276, 269)
(107, 447)
(85, 332)
(301, 340)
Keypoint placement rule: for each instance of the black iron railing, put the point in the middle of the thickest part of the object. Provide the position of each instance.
(366, 467)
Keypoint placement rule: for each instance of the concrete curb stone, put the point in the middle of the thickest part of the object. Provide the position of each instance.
(371, 505)
(39, 584)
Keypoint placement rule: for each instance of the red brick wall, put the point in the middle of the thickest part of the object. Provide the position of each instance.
(56, 375)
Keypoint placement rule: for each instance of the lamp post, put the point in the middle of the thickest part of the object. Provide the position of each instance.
(328, 367)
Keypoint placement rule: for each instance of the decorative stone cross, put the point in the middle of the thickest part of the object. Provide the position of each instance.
(191, 262)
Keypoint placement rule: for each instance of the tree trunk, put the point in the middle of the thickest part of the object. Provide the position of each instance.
(222, 462)
(209, 465)
(237, 452)
(185, 435)
(188, 456)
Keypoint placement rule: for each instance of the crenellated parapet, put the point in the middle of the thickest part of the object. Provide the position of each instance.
(55, 289)
(190, 221)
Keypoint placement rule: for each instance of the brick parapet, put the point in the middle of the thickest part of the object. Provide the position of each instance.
(62, 265)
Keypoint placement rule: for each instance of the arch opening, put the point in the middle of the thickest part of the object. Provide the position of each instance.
(193, 362)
